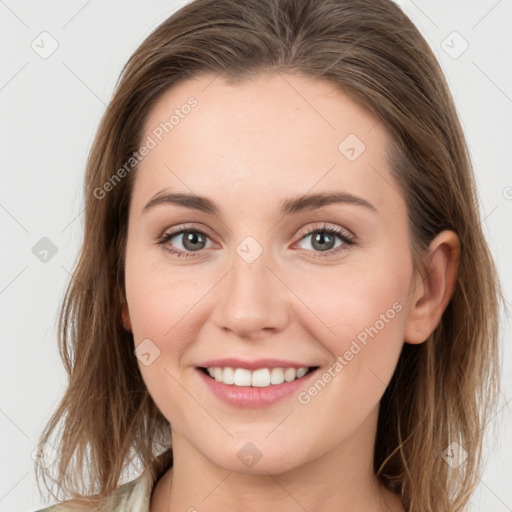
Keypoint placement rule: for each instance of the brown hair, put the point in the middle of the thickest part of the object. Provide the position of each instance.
(373, 52)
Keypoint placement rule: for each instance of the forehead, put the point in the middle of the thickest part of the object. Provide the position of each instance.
(274, 133)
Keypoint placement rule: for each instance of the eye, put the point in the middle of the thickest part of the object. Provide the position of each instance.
(190, 239)
(323, 240)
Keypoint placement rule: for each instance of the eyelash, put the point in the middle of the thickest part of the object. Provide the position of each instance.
(347, 240)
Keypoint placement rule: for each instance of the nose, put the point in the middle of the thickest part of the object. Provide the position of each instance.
(253, 302)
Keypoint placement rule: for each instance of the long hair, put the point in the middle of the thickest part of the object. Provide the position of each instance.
(443, 391)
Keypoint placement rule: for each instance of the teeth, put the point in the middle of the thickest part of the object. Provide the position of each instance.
(290, 374)
(301, 372)
(276, 376)
(261, 378)
(242, 376)
(228, 376)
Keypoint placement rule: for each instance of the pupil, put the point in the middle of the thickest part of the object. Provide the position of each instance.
(194, 239)
(320, 238)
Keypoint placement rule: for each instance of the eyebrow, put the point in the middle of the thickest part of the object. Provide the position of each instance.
(288, 206)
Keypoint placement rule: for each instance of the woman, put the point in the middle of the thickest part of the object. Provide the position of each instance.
(283, 268)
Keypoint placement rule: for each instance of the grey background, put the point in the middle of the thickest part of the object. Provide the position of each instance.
(50, 109)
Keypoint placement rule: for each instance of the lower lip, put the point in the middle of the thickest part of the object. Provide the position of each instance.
(253, 397)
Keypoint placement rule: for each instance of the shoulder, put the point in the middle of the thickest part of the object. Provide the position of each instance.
(133, 496)
(68, 506)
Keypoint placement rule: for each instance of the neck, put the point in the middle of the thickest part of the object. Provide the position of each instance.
(342, 478)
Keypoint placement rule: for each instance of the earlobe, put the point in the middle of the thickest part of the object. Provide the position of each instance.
(433, 292)
(125, 314)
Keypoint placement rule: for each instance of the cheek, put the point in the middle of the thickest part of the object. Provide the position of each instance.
(162, 303)
(360, 318)
(354, 302)
(159, 294)
(168, 306)
(367, 316)
(157, 301)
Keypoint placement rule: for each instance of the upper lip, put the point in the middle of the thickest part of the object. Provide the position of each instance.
(252, 365)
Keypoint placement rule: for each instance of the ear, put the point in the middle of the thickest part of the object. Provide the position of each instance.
(125, 314)
(433, 292)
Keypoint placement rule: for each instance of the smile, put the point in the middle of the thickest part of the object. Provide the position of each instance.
(255, 384)
(260, 378)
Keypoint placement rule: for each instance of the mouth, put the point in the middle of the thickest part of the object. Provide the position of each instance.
(257, 378)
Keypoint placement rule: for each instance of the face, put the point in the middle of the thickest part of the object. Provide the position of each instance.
(256, 276)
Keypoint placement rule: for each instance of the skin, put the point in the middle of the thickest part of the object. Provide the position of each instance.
(263, 142)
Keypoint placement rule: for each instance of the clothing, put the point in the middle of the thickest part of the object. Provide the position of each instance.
(133, 496)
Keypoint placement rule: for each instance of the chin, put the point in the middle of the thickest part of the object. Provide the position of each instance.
(258, 457)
